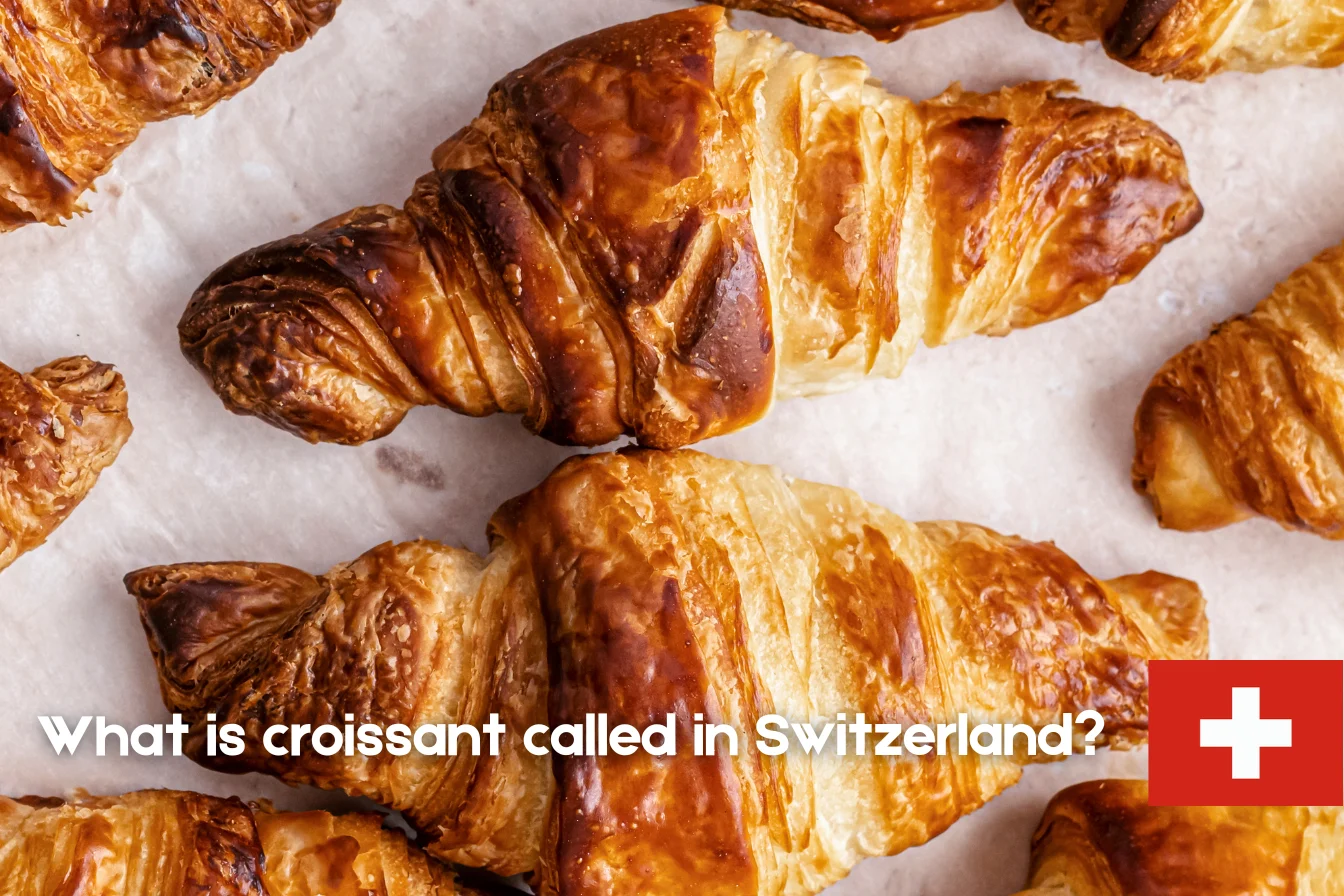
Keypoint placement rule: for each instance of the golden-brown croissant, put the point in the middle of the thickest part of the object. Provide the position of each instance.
(1102, 838)
(883, 19)
(670, 583)
(80, 78)
(1197, 38)
(60, 426)
(658, 228)
(1251, 419)
(171, 843)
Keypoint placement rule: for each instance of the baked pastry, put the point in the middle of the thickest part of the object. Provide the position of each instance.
(60, 426)
(670, 582)
(883, 19)
(170, 843)
(1102, 838)
(1194, 39)
(1251, 419)
(78, 80)
(657, 229)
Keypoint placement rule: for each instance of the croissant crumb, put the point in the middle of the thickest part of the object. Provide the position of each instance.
(60, 426)
(646, 583)
(1251, 419)
(657, 229)
(80, 78)
(1102, 838)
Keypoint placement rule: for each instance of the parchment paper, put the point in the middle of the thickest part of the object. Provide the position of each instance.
(1028, 434)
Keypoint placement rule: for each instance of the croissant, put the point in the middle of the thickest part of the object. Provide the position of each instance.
(657, 229)
(1194, 39)
(78, 80)
(168, 843)
(668, 583)
(883, 19)
(60, 426)
(1251, 419)
(1102, 838)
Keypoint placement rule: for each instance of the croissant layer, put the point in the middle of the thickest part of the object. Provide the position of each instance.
(60, 426)
(647, 583)
(1251, 419)
(80, 78)
(1194, 39)
(171, 843)
(657, 229)
(1102, 838)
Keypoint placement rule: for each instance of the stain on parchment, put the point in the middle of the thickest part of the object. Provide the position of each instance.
(409, 468)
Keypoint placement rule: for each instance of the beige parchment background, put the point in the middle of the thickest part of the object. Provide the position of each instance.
(1029, 434)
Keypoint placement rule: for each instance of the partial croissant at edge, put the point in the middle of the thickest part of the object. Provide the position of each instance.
(1101, 838)
(79, 80)
(1251, 419)
(1194, 39)
(885, 20)
(659, 228)
(200, 844)
(60, 427)
(645, 583)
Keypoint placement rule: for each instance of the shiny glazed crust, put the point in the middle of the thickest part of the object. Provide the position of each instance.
(60, 426)
(1194, 39)
(1102, 838)
(170, 843)
(80, 78)
(657, 229)
(883, 19)
(1251, 419)
(679, 583)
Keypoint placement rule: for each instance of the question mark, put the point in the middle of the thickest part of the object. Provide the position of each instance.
(1091, 715)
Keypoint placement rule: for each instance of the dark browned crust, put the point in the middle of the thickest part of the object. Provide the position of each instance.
(885, 20)
(1139, 19)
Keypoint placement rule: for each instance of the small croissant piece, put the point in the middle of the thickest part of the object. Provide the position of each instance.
(883, 19)
(1251, 419)
(166, 843)
(1101, 838)
(670, 583)
(60, 426)
(1194, 39)
(80, 78)
(657, 229)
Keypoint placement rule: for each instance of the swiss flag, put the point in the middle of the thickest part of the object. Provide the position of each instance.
(1246, 732)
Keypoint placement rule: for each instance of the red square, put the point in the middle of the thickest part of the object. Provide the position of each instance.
(1246, 732)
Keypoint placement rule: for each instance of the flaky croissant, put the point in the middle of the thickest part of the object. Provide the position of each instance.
(883, 19)
(657, 229)
(60, 426)
(1102, 838)
(669, 583)
(1194, 39)
(1251, 419)
(80, 78)
(171, 843)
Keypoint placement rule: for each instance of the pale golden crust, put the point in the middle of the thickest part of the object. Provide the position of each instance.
(165, 843)
(657, 229)
(1251, 419)
(60, 426)
(1102, 838)
(80, 78)
(1194, 39)
(678, 583)
(883, 19)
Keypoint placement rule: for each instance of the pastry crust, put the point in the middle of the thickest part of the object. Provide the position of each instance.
(1251, 419)
(166, 843)
(679, 583)
(80, 78)
(1194, 39)
(60, 426)
(884, 19)
(1102, 838)
(659, 228)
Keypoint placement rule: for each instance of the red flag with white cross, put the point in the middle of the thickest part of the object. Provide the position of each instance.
(1246, 732)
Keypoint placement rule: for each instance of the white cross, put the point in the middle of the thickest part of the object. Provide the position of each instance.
(1246, 733)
